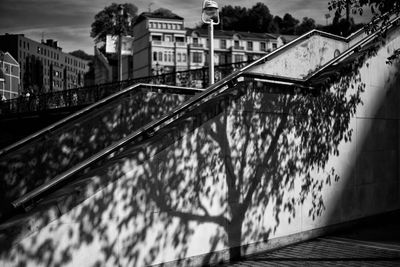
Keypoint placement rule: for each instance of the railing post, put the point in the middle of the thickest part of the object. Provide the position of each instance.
(205, 79)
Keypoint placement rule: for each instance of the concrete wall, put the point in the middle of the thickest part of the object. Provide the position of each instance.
(303, 58)
(235, 172)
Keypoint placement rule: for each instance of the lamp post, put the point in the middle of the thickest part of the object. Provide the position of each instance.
(122, 20)
(210, 15)
(2, 75)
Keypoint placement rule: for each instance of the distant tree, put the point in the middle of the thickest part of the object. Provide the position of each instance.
(81, 54)
(378, 8)
(259, 18)
(342, 27)
(231, 17)
(287, 24)
(255, 19)
(278, 21)
(164, 13)
(306, 25)
(104, 21)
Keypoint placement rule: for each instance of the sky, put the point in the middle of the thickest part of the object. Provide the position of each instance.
(68, 21)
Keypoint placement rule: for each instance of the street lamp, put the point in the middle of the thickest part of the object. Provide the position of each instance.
(122, 20)
(210, 15)
(2, 75)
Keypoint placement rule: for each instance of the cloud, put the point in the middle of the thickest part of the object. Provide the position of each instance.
(69, 38)
(23, 13)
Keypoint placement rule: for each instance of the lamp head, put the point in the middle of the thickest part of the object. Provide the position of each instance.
(210, 12)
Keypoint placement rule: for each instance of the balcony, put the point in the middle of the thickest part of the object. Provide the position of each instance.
(237, 47)
(162, 43)
(180, 44)
(196, 46)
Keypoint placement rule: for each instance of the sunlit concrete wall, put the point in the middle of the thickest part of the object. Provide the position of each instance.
(187, 194)
(300, 60)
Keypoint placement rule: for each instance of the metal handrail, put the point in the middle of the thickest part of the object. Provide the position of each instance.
(85, 110)
(42, 102)
(164, 121)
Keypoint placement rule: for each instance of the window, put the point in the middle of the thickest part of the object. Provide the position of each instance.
(160, 56)
(168, 38)
(38, 50)
(155, 56)
(179, 57)
(222, 59)
(180, 39)
(195, 40)
(183, 57)
(223, 44)
(262, 46)
(239, 58)
(165, 57)
(197, 57)
(250, 45)
(236, 43)
(274, 46)
(156, 38)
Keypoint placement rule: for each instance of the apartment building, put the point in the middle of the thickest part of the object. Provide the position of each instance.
(160, 44)
(9, 76)
(163, 45)
(229, 46)
(43, 65)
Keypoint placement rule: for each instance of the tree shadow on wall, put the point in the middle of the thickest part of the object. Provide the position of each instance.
(41, 160)
(230, 172)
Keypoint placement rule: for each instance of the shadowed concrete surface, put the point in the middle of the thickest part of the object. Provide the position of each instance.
(375, 242)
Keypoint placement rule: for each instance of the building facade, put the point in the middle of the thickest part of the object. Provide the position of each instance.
(43, 65)
(163, 45)
(160, 45)
(9, 76)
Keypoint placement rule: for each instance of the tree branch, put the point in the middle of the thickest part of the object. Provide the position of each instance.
(219, 219)
(259, 170)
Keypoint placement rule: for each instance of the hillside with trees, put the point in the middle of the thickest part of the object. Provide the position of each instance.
(260, 19)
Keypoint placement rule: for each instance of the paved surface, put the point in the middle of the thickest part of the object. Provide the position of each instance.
(376, 243)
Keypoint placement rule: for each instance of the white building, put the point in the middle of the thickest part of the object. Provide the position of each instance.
(159, 45)
(9, 76)
(163, 45)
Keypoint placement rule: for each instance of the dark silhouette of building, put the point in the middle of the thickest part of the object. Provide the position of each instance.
(44, 67)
